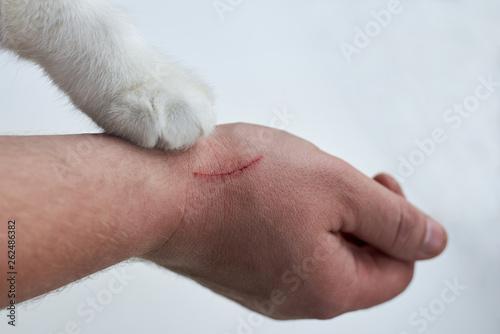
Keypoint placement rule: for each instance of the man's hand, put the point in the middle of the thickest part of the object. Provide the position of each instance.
(255, 214)
(289, 231)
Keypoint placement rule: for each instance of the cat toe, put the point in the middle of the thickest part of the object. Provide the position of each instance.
(155, 116)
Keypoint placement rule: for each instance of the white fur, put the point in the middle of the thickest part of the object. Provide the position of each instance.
(94, 54)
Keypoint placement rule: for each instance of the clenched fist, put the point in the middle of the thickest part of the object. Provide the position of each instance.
(275, 224)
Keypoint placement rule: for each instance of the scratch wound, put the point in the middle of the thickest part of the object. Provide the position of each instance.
(231, 172)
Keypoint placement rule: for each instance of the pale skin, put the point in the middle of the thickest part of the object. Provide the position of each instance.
(257, 215)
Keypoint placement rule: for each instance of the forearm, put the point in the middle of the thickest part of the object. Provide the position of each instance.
(81, 203)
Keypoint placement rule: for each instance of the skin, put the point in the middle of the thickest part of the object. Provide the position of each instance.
(257, 215)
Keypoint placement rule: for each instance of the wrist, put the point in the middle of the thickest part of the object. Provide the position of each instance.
(142, 191)
(164, 184)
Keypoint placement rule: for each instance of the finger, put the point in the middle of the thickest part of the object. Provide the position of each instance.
(378, 278)
(363, 277)
(390, 223)
(390, 183)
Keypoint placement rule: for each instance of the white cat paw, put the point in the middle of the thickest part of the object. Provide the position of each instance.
(167, 112)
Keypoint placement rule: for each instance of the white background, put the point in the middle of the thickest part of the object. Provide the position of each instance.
(285, 55)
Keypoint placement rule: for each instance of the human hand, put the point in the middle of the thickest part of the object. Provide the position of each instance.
(289, 231)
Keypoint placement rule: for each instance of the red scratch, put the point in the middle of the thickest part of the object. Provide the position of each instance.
(239, 169)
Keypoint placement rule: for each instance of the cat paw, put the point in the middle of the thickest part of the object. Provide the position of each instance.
(170, 112)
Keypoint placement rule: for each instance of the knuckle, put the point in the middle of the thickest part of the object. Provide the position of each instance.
(324, 309)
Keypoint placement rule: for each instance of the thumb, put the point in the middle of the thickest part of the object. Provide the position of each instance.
(385, 220)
